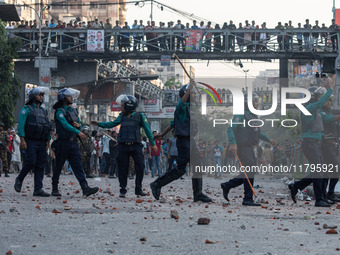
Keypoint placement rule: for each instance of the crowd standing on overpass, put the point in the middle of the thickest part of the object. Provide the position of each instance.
(147, 40)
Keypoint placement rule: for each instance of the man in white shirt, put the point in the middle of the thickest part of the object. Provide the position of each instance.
(106, 153)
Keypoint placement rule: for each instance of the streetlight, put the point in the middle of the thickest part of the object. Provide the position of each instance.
(245, 76)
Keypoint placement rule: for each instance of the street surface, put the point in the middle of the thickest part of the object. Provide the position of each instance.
(107, 224)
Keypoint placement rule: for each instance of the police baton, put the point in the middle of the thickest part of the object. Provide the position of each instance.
(185, 70)
(244, 171)
(110, 137)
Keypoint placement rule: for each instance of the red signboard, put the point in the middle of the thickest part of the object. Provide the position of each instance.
(337, 17)
(115, 107)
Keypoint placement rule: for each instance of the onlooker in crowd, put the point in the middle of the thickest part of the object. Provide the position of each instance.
(173, 152)
(217, 154)
(156, 157)
(16, 155)
(165, 148)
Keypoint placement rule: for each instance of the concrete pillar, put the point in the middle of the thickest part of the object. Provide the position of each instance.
(283, 72)
(45, 75)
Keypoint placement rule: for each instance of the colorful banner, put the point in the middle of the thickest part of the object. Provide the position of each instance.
(193, 41)
(95, 40)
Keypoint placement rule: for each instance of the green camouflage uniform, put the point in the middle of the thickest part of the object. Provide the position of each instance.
(4, 142)
(86, 147)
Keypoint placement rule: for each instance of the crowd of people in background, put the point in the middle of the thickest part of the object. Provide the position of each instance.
(212, 41)
(99, 156)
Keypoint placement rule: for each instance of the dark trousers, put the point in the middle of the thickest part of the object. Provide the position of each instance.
(247, 158)
(113, 166)
(312, 150)
(171, 161)
(35, 158)
(107, 162)
(124, 153)
(330, 157)
(188, 152)
(68, 150)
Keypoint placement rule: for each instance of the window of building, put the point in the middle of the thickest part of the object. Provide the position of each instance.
(93, 5)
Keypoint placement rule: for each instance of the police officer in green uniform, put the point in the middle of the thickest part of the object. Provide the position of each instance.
(86, 146)
(67, 148)
(129, 141)
(312, 132)
(4, 142)
(242, 139)
(329, 148)
(185, 129)
(34, 132)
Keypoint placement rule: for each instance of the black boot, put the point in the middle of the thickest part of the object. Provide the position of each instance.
(140, 193)
(333, 197)
(55, 191)
(226, 190)
(40, 193)
(162, 181)
(250, 203)
(293, 191)
(197, 184)
(6, 174)
(87, 191)
(17, 185)
(322, 203)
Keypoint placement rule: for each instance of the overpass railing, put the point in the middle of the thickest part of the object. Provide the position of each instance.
(56, 41)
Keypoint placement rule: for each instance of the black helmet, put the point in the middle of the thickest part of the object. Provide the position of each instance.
(316, 92)
(184, 90)
(129, 101)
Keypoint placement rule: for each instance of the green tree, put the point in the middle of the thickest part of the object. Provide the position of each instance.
(9, 83)
(173, 83)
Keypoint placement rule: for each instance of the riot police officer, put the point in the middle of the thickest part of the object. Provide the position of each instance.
(185, 129)
(242, 139)
(67, 148)
(330, 151)
(4, 142)
(34, 132)
(129, 141)
(312, 132)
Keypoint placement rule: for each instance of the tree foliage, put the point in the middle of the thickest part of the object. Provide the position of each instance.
(9, 82)
(173, 83)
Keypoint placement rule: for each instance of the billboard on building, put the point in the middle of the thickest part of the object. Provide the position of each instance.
(95, 40)
(193, 41)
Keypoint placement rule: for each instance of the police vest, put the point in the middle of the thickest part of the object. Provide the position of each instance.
(186, 128)
(37, 126)
(329, 127)
(316, 125)
(247, 135)
(129, 129)
(70, 118)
